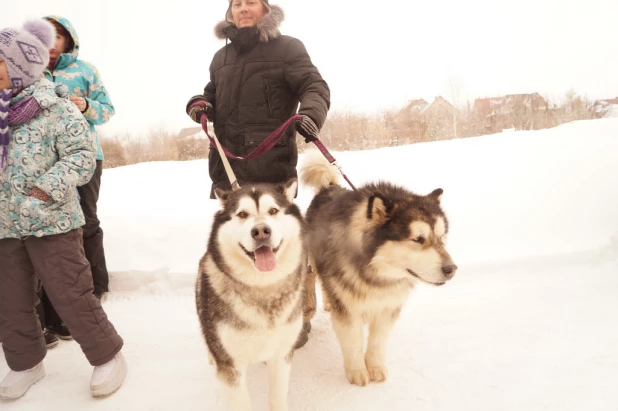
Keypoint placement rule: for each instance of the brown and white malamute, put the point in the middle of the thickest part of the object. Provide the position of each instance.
(369, 248)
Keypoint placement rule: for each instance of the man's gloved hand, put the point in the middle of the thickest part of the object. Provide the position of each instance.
(308, 129)
(199, 107)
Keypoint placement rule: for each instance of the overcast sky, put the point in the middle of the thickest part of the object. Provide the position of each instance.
(375, 55)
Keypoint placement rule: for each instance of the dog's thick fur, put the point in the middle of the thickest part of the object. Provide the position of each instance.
(250, 306)
(368, 248)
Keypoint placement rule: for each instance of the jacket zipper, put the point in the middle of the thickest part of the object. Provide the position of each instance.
(267, 97)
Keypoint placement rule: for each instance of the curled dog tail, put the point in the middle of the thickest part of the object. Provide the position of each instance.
(316, 172)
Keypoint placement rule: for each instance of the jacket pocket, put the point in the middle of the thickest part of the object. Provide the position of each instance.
(267, 97)
(36, 215)
(256, 138)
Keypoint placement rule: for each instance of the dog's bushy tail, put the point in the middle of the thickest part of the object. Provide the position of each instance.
(316, 172)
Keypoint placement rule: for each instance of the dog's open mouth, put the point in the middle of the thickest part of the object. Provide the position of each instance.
(264, 258)
(425, 281)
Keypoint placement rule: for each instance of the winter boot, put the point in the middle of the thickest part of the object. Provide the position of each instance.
(50, 339)
(17, 383)
(60, 330)
(107, 378)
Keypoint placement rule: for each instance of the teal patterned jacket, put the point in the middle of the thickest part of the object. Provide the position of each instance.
(83, 80)
(55, 152)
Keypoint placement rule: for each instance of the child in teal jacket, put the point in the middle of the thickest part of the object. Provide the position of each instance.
(87, 92)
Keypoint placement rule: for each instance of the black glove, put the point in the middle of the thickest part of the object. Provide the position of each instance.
(308, 129)
(199, 107)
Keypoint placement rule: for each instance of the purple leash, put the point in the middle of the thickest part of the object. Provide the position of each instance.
(332, 161)
(264, 147)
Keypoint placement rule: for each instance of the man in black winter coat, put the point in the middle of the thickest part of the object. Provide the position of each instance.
(257, 82)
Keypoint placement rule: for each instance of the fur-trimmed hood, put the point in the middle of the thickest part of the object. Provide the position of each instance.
(268, 27)
(70, 56)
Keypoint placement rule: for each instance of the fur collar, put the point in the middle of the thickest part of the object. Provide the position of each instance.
(268, 27)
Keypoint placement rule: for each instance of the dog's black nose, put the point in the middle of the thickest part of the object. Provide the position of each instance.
(261, 232)
(449, 270)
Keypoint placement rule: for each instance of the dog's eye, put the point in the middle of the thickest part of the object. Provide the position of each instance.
(273, 211)
(420, 240)
(242, 214)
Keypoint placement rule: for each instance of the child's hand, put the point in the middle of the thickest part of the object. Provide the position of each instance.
(80, 102)
(40, 194)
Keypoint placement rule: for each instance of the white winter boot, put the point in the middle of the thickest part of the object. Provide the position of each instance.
(107, 378)
(17, 383)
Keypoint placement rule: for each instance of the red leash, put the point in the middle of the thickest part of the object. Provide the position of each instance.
(265, 146)
(332, 160)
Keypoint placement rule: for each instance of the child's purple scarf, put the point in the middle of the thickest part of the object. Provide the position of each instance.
(20, 113)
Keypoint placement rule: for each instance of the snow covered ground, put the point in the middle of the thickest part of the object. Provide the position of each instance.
(528, 323)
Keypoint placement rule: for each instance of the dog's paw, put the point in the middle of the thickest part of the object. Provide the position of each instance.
(377, 373)
(358, 377)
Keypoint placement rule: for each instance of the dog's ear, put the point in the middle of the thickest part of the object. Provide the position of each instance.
(290, 189)
(223, 196)
(436, 195)
(378, 208)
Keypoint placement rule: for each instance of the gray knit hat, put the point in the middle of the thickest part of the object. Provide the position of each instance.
(25, 52)
(228, 15)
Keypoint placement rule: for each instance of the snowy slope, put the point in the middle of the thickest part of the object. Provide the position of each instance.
(527, 323)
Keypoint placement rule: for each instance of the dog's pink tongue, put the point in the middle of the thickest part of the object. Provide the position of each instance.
(265, 259)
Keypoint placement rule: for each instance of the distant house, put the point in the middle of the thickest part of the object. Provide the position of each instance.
(439, 107)
(440, 120)
(195, 132)
(519, 111)
(193, 143)
(509, 104)
(192, 132)
(409, 124)
(421, 121)
(414, 107)
(607, 107)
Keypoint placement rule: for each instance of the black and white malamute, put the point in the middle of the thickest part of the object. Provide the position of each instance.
(249, 289)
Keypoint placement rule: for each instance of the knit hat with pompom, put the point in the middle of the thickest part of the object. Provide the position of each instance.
(25, 52)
